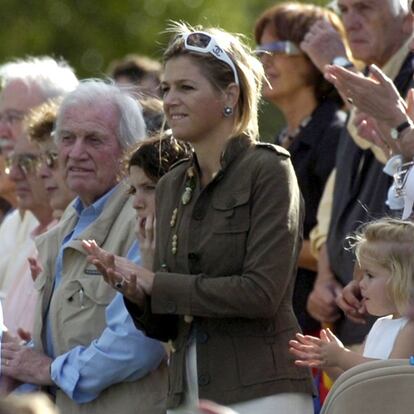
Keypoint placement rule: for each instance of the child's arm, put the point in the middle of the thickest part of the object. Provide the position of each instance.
(404, 343)
(328, 353)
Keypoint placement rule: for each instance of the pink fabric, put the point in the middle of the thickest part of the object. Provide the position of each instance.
(20, 302)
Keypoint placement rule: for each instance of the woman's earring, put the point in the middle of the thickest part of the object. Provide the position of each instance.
(228, 111)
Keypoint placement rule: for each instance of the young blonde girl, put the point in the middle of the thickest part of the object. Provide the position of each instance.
(385, 254)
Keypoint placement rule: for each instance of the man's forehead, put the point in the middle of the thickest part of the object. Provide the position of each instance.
(19, 96)
(350, 3)
(25, 146)
(102, 116)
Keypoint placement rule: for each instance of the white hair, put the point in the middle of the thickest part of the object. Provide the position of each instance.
(397, 7)
(53, 78)
(131, 127)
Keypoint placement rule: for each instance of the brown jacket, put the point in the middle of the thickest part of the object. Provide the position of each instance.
(230, 283)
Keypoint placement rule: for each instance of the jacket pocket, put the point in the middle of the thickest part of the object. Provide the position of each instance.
(88, 291)
(232, 213)
(83, 302)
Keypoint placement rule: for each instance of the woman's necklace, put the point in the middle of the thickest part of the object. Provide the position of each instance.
(186, 197)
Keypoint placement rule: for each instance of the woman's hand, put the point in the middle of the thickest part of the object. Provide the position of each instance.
(145, 232)
(118, 271)
(323, 352)
(129, 286)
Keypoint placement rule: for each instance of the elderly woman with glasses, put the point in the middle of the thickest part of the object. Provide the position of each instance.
(227, 239)
(312, 115)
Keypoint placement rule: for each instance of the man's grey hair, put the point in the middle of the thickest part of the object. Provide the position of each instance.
(52, 77)
(131, 127)
(397, 7)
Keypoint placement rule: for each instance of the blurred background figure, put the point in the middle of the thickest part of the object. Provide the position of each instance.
(153, 112)
(27, 404)
(313, 116)
(25, 84)
(379, 33)
(41, 124)
(55, 196)
(23, 167)
(139, 71)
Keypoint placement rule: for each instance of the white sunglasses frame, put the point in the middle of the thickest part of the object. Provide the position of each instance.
(213, 48)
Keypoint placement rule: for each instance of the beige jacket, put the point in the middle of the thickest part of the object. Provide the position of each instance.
(78, 318)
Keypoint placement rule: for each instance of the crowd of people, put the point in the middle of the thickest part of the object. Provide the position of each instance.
(159, 257)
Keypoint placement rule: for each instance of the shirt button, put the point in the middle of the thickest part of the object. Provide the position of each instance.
(203, 379)
(170, 307)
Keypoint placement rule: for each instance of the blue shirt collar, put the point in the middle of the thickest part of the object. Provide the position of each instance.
(96, 208)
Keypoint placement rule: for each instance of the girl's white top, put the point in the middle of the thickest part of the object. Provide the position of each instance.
(380, 339)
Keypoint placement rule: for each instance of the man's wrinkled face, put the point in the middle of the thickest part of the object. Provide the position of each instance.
(374, 32)
(89, 149)
(16, 99)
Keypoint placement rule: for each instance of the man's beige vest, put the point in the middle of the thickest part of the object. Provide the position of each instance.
(76, 309)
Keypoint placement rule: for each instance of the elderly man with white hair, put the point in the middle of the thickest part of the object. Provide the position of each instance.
(379, 32)
(25, 84)
(87, 350)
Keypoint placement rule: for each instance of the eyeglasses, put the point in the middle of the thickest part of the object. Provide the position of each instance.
(12, 117)
(203, 42)
(50, 159)
(279, 47)
(28, 163)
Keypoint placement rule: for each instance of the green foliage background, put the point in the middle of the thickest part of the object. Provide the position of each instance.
(91, 33)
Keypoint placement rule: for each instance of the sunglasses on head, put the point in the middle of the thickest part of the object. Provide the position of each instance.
(203, 42)
(285, 47)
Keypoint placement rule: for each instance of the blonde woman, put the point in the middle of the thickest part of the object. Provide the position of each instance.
(228, 236)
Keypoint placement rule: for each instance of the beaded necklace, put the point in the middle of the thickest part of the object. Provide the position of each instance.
(185, 199)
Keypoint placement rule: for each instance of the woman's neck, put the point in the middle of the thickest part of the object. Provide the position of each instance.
(209, 150)
(297, 107)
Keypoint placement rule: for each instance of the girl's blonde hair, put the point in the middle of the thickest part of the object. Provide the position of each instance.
(389, 243)
(249, 71)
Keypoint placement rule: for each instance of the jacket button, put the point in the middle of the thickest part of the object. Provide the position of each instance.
(203, 379)
(198, 214)
(202, 337)
(193, 257)
(170, 307)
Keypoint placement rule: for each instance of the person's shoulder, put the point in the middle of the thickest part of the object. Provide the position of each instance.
(267, 148)
(180, 165)
(175, 173)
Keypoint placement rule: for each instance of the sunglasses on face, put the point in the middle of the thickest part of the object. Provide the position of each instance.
(28, 163)
(50, 159)
(279, 47)
(203, 42)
